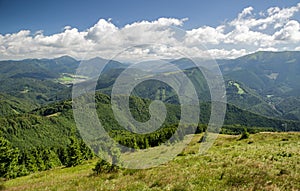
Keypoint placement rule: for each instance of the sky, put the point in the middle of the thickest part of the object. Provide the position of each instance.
(222, 29)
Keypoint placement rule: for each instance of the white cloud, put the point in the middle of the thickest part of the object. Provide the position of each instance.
(275, 16)
(67, 27)
(100, 30)
(274, 29)
(245, 12)
(268, 49)
(205, 35)
(222, 53)
(289, 33)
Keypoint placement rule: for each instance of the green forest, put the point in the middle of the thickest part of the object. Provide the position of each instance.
(38, 132)
(47, 137)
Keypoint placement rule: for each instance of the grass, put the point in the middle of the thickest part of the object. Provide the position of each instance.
(240, 90)
(265, 161)
(69, 78)
(54, 114)
(66, 79)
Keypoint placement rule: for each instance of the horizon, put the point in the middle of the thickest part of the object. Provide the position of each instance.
(45, 58)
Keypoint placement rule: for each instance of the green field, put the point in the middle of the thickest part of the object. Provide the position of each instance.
(66, 78)
(264, 161)
(240, 90)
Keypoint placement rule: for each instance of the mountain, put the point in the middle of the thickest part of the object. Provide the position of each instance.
(10, 105)
(64, 64)
(183, 63)
(34, 80)
(42, 81)
(258, 82)
(37, 120)
(248, 99)
(51, 125)
(273, 76)
(266, 72)
(290, 106)
(262, 82)
(238, 93)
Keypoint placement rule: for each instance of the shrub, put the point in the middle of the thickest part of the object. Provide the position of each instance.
(245, 134)
(103, 166)
(111, 153)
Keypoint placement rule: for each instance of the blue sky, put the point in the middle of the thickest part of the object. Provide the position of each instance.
(223, 29)
(52, 16)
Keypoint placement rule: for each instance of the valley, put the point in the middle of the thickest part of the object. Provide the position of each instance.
(37, 123)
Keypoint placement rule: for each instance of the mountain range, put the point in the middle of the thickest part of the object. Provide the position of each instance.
(36, 108)
(265, 83)
(262, 89)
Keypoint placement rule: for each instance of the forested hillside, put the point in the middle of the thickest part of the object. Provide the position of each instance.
(36, 114)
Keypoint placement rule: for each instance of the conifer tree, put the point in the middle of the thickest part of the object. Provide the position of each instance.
(8, 159)
(50, 159)
(86, 152)
(74, 154)
(37, 154)
(29, 161)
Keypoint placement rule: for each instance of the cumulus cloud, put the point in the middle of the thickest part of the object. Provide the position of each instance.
(289, 33)
(100, 30)
(222, 53)
(205, 35)
(274, 29)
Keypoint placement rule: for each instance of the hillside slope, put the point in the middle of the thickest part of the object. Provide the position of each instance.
(268, 163)
(42, 126)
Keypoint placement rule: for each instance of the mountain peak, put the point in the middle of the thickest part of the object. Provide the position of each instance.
(65, 58)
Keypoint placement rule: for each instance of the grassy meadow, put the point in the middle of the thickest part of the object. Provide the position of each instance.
(264, 161)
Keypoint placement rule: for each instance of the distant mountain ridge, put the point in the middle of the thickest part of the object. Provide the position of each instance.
(42, 81)
(268, 80)
(274, 76)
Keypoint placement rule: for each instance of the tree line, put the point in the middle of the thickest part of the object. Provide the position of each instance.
(15, 162)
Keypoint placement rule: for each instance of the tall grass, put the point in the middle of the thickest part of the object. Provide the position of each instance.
(264, 161)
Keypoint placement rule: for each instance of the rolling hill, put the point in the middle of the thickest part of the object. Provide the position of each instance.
(274, 76)
(43, 125)
(36, 112)
(259, 82)
(265, 161)
(42, 81)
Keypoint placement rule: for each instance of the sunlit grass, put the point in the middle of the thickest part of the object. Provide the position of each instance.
(265, 161)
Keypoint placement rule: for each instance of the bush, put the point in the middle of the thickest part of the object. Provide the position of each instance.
(103, 166)
(245, 134)
(111, 153)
